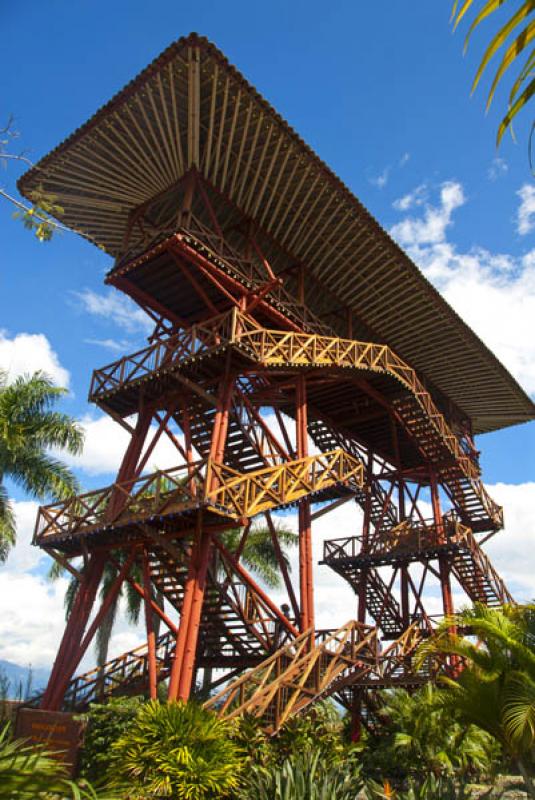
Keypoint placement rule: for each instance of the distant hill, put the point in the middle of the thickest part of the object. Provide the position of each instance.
(14, 679)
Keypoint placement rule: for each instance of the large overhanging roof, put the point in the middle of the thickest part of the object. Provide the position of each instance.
(191, 109)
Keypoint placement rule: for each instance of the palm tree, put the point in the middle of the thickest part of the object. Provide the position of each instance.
(422, 738)
(29, 429)
(514, 39)
(258, 556)
(496, 688)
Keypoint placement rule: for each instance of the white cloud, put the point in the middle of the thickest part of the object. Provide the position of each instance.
(105, 445)
(526, 210)
(31, 608)
(483, 287)
(28, 353)
(511, 550)
(117, 346)
(404, 160)
(25, 557)
(497, 169)
(417, 197)
(116, 308)
(380, 181)
(431, 228)
(31, 617)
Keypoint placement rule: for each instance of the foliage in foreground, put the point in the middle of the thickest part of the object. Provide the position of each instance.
(29, 773)
(423, 738)
(307, 777)
(514, 39)
(496, 688)
(105, 724)
(177, 750)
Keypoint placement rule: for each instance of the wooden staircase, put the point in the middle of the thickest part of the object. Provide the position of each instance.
(236, 627)
(323, 664)
(407, 542)
(467, 493)
(326, 437)
(298, 674)
(476, 574)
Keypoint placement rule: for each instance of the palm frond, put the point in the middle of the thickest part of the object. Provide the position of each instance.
(8, 525)
(518, 97)
(512, 52)
(519, 710)
(501, 37)
(517, 106)
(42, 475)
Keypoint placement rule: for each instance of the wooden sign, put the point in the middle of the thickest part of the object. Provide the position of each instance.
(57, 731)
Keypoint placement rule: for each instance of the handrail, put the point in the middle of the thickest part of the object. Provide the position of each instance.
(407, 535)
(275, 348)
(224, 490)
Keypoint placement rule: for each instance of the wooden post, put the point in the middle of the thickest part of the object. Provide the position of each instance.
(149, 625)
(306, 590)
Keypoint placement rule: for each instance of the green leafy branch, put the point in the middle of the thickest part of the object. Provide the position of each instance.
(513, 39)
(39, 216)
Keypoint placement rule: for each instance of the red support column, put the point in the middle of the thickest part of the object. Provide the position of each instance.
(443, 561)
(305, 525)
(361, 612)
(188, 632)
(72, 636)
(128, 468)
(149, 625)
(186, 642)
(404, 569)
(202, 558)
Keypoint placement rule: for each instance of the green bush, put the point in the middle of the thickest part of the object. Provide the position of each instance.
(307, 777)
(420, 737)
(177, 750)
(104, 725)
(319, 729)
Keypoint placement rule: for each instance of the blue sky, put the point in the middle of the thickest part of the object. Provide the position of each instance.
(381, 92)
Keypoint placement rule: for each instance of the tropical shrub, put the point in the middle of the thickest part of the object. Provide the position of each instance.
(104, 725)
(254, 744)
(177, 750)
(318, 729)
(423, 737)
(307, 777)
(496, 687)
(429, 788)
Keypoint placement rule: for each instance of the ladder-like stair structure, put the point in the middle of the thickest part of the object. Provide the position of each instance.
(322, 664)
(383, 512)
(276, 349)
(467, 492)
(237, 629)
(408, 542)
(476, 574)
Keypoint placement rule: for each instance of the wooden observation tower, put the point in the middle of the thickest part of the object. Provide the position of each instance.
(299, 360)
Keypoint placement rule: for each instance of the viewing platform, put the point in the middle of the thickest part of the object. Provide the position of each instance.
(203, 349)
(167, 500)
(409, 542)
